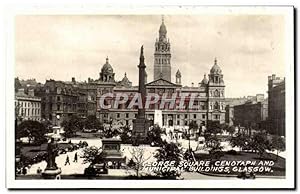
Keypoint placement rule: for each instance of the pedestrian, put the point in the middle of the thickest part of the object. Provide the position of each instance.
(75, 157)
(67, 161)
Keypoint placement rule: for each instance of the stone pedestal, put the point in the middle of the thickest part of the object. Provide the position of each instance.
(140, 130)
(51, 173)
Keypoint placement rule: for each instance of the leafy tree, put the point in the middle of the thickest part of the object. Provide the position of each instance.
(34, 130)
(91, 122)
(126, 135)
(214, 145)
(169, 152)
(231, 130)
(154, 135)
(277, 144)
(213, 127)
(93, 155)
(240, 140)
(72, 125)
(260, 143)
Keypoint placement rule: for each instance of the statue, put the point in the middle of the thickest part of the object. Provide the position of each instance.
(51, 171)
(52, 153)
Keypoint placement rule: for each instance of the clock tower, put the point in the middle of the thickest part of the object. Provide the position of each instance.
(162, 55)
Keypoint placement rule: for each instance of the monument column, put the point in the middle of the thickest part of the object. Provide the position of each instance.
(141, 124)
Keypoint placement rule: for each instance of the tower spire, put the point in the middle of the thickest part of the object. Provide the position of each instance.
(162, 19)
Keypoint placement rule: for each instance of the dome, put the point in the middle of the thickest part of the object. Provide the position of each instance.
(216, 69)
(107, 68)
(163, 29)
(125, 79)
(205, 80)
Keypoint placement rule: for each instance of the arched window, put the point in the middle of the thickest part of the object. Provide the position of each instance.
(216, 105)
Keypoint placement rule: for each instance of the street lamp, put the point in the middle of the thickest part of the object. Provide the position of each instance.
(57, 119)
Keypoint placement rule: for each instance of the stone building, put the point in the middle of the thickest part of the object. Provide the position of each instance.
(209, 94)
(162, 55)
(276, 109)
(82, 98)
(59, 100)
(252, 114)
(27, 106)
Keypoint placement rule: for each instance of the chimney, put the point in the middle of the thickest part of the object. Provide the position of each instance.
(199, 84)
(192, 84)
(73, 80)
(273, 76)
(31, 92)
(89, 80)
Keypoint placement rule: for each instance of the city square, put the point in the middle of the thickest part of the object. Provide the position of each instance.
(101, 128)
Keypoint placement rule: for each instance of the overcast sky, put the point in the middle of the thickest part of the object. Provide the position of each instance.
(248, 47)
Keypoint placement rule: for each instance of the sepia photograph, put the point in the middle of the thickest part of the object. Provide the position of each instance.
(132, 98)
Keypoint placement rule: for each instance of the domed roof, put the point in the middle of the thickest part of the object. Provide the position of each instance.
(162, 28)
(178, 74)
(205, 80)
(215, 69)
(107, 68)
(125, 79)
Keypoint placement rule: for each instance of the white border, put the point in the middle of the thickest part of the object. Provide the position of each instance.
(11, 11)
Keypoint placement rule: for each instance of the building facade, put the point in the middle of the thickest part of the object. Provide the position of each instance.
(252, 114)
(27, 106)
(209, 94)
(276, 92)
(82, 98)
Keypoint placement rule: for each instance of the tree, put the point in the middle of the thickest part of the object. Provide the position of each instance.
(231, 130)
(154, 135)
(33, 130)
(213, 127)
(138, 159)
(277, 144)
(72, 125)
(260, 143)
(93, 155)
(214, 145)
(169, 152)
(240, 140)
(91, 122)
(126, 135)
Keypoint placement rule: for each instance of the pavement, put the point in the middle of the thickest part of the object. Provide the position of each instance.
(79, 167)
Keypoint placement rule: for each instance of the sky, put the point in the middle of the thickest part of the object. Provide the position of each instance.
(248, 48)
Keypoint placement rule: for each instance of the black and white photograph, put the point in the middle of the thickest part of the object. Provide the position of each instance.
(200, 97)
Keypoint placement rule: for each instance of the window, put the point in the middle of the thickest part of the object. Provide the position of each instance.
(186, 116)
(127, 115)
(118, 115)
(178, 116)
(203, 116)
(195, 116)
(178, 122)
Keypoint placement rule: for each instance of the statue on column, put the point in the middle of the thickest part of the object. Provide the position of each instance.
(51, 171)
